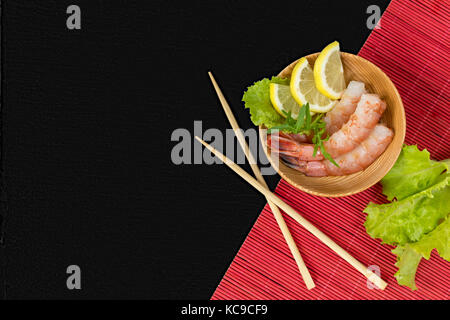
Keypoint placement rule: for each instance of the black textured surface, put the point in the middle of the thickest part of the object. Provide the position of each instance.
(87, 117)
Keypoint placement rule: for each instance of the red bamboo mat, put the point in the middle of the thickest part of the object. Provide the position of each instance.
(412, 47)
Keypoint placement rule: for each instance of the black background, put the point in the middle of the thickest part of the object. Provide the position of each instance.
(87, 117)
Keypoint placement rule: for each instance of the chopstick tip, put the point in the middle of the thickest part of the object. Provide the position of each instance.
(310, 286)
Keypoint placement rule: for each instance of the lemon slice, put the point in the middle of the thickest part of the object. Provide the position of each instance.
(329, 73)
(282, 100)
(303, 88)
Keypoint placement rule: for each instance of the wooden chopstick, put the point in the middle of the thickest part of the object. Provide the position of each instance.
(276, 212)
(374, 278)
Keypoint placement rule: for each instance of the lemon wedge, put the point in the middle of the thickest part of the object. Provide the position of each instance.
(329, 73)
(282, 100)
(303, 88)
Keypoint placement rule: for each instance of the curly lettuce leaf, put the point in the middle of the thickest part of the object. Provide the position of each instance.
(407, 262)
(413, 222)
(446, 162)
(438, 239)
(410, 255)
(413, 172)
(257, 99)
(406, 221)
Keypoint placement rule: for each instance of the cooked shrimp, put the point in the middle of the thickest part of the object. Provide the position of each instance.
(356, 160)
(345, 107)
(284, 144)
(300, 138)
(361, 123)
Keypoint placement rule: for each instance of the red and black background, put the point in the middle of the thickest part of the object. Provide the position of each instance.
(87, 117)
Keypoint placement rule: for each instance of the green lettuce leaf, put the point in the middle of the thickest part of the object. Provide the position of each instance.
(257, 99)
(446, 162)
(407, 220)
(438, 239)
(413, 172)
(410, 255)
(414, 221)
(407, 262)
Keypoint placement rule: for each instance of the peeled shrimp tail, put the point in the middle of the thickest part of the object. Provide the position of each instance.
(279, 143)
(361, 123)
(363, 155)
(342, 111)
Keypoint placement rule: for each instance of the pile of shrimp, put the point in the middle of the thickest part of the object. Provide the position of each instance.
(356, 138)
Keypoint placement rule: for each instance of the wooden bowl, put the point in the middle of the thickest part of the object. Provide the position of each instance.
(376, 81)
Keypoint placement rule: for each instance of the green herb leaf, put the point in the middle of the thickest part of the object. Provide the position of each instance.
(300, 119)
(257, 99)
(316, 147)
(307, 117)
(305, 124)
(316, 120)
(327, 155)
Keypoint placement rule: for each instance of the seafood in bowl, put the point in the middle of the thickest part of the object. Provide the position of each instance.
(329, 145)
(355, 137)
(356, 160)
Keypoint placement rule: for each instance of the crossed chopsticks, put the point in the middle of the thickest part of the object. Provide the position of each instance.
(275, 203)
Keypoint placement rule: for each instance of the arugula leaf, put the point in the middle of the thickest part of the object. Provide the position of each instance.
(326, 155)
(317, 119)
(307, 117)
(413, 172)
(257, 99)
(407, 220)
(300, 119)
(407, 262)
